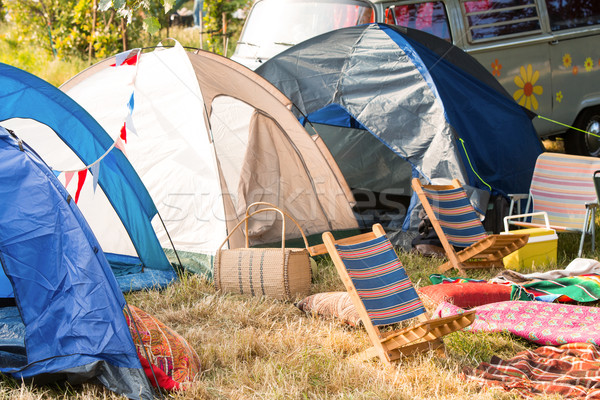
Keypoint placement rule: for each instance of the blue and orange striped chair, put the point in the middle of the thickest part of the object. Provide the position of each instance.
(458, 226)
(562, 195)
(384, 295)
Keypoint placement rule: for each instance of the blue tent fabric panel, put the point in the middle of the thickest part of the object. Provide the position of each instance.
(457, 90)
(333, 114)
(131, 275)
(66, 293)
(149, 279)
(25, 96)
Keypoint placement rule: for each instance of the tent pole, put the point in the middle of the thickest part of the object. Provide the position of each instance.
(170, 240)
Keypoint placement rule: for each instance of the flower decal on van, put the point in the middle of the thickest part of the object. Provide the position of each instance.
(589, 64)
(559, 96)
(526, 82)
(567, 60)
(496, 67)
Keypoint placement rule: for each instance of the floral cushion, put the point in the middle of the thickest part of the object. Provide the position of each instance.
(167, 350)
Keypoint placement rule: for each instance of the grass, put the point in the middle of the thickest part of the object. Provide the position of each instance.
(260, 348)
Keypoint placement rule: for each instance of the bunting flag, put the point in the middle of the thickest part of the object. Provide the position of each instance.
(124, 132)
(121, 146)
(68, 177)
(125, 58)
(95, 170)
(129, 124)
(81, 179)
(129, 119)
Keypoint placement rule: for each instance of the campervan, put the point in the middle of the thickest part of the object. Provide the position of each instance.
(544, 52)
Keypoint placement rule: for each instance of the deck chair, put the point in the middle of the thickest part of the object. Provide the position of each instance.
(562, 196)
(383, 295)
(457, 225)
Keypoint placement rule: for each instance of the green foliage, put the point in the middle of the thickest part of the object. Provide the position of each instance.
(65, 27)
(213, 23)
(34, 59)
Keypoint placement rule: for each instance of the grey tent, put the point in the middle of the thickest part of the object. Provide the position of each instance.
(393, 103)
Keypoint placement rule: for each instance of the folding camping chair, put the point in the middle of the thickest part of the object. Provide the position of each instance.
(383, 295)
(562, 196)
(457, 224)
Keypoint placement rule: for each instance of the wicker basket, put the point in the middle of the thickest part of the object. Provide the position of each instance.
(283, 273)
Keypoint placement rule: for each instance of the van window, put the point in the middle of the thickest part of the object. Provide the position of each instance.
(566, 14)
(430, 17)
(489, 19)
(278, 23)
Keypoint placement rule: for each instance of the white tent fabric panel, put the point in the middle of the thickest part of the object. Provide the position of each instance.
(230, 136)
(97, 210)
(171, 150)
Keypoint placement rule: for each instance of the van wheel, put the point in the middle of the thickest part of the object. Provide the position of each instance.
(582, 143)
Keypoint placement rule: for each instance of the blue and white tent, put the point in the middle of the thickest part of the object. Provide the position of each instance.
(117, 205)
(68, 322)
(393, 103)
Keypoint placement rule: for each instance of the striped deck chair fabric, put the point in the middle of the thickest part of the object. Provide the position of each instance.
(381, 281)
(561, 186)
(458, 226)
(456, 215)
(383, 294)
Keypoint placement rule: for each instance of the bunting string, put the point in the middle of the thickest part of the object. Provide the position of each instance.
(125, 58)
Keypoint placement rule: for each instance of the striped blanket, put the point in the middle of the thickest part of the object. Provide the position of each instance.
(571, 370)
(582, 288)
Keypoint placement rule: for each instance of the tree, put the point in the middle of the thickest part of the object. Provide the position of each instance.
(67, 27)
(221, 25)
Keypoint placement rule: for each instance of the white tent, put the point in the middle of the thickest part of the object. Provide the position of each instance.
(208, 137)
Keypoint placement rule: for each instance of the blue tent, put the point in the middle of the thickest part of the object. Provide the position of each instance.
(25, 97)
(68, 321)
(393, 103)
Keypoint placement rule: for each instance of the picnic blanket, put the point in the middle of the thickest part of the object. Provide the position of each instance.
(538, 322)
(571, 370)
(579, 266)
(580, 288)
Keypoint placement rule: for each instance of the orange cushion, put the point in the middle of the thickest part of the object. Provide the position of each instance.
(465, 295)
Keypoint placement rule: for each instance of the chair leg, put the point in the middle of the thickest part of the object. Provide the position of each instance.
(593, 229)
(586, 225)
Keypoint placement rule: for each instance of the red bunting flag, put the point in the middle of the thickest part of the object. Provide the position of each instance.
(81, 179)
(124, 133)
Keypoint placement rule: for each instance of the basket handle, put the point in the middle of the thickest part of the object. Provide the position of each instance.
(283, 215)
(282, 228)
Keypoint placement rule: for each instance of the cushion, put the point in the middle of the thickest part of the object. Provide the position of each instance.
(466, 294)
(336, 305)
(167, 350)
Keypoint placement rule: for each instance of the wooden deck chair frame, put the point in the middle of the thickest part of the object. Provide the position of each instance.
(486, 253)
(390, 346)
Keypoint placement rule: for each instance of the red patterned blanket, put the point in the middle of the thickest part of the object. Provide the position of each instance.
(571, 370)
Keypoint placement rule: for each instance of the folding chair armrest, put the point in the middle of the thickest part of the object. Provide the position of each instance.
(543, 213)
(518, 196)
(514, 198)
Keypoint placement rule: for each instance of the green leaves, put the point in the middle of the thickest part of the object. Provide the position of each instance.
(151, 25)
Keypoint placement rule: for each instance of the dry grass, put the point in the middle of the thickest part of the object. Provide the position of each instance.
(259, 348)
